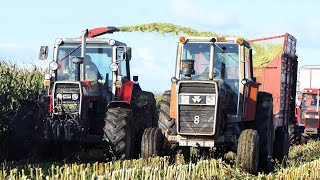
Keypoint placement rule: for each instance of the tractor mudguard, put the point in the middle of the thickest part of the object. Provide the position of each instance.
(122, 104)
(125, 92)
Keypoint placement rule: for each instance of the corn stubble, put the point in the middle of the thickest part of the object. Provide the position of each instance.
(306, 166)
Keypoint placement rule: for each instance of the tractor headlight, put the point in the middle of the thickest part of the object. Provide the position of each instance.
(53, 65)
(211, 100)
(113, 67)
(75, 96)
(183, 99)
(59, 96)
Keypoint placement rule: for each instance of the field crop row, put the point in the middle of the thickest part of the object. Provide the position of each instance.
(302, 163)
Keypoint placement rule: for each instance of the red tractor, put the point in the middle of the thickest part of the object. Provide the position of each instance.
(91, 101)
(307, 113)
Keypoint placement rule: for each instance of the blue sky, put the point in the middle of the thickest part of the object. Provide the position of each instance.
(26, 25)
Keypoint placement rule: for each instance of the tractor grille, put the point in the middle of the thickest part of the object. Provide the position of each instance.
(207, 88)
(196, 119)
(67, 88)
(312, 122)
(312, 113)
(67, 104)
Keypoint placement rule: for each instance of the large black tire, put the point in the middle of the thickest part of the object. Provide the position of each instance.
(248, 151)
(294, 135)
(118, 132)
(281, 144)
(152, 143)
(145, 115)
(164, 114)
(264, 126)
(144, 110)
(23, 139)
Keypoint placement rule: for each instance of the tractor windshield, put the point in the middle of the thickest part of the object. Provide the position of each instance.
(225, 66)
(98, 59)
(226, 60)
(200, 54)
(309, 102)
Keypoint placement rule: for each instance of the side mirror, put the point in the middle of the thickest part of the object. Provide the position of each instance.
(128, 53)
(43, 53)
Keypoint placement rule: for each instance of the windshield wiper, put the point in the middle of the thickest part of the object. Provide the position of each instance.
(226, 53)
(69, 53)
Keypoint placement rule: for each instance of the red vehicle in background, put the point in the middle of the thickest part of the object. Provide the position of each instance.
(307, 109)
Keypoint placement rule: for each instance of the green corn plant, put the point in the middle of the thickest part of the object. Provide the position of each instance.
(16, 83)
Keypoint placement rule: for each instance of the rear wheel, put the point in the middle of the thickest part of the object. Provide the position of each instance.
(118, 132)
(264, 126)
(145, 115)
(23, 141)
(248, 151)
(294, 135)
(152, 143)
(166, 123)
(164, 114)
(281, 144)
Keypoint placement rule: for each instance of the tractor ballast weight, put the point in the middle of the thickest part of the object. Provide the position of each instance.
(216, 103)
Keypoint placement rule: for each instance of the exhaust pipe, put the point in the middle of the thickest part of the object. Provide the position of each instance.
(77, 62)
(83, 52)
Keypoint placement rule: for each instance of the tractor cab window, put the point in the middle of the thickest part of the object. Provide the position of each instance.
(226, 64)
(98, 59)
(309, 101)
(199, 54)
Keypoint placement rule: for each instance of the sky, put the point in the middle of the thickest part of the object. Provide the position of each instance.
(26, 25)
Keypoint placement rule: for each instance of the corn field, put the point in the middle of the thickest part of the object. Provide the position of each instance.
(16, 83)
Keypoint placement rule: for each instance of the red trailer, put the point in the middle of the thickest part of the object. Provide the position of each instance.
(279, 78)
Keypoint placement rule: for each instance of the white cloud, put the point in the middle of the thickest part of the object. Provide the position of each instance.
(154, 72)
(191, 12)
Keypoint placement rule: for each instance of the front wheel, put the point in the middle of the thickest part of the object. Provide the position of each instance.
(118, 132)
(248, 151)
(152, 143)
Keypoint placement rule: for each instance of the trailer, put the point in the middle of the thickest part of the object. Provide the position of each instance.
(279, 77)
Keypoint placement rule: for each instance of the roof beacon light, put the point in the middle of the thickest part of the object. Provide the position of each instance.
(239, 41)
(182, 39)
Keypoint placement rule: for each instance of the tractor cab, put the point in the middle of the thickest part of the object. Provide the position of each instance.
(210, 68)
(308, 109)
